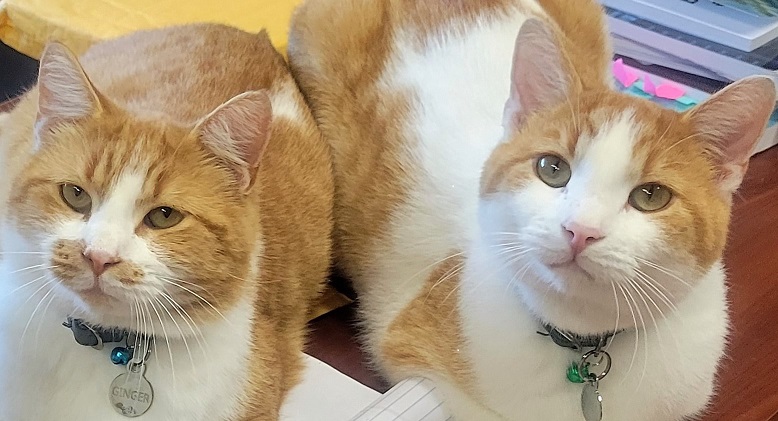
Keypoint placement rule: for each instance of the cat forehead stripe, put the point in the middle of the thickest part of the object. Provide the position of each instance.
(120, 201)
(609, 154)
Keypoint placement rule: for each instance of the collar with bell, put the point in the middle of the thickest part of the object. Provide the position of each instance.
(589, 370)
(96, 336)
(130, 393)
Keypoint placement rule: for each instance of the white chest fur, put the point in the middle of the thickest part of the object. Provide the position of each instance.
(45, 375)
(455, 125)
(665, 372)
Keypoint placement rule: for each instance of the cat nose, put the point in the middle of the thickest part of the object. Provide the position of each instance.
(581, 236)
(101, 261)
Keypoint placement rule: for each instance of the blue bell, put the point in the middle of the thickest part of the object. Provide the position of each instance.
(121, 355)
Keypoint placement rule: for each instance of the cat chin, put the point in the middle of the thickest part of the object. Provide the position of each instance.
(565, 296)
(575, 273)
(95, 307)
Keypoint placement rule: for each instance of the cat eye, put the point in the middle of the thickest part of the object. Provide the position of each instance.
(163, 218)
(650, 197)
(76, 198)
(553, 170)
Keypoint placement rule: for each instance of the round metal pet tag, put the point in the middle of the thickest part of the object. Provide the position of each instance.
(131, 394)
(591, 402)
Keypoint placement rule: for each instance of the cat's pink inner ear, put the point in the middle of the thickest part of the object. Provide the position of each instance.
(539, 78)
(65, 92)
(237, 132)
(731, 122)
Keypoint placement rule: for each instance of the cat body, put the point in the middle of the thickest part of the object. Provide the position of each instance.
(437, 113)
(207, 226)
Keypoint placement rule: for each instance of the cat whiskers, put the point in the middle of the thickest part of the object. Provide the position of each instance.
(515, 253)
(37, 306)
(43, 315)
(28, 283)
(175, 282)
(150, 327)
(667, 129)
(657, 288)
(151, 302)
(32, 268)
(509, 261)
(430, 266)
(664, 270)
(651, 284)
(138, 328)
(193, 327)
(518, 275)
(637, 331)
(691, 136)
(518, 251)
(642, 295)
(618, 314)
(454, 271)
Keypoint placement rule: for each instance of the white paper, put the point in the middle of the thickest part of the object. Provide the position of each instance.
(325, 394)
(414, 399)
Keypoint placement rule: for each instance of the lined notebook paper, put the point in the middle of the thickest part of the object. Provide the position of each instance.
(325, 394)
(415, 399)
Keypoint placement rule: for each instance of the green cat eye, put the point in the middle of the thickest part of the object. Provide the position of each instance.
(76, 197)
(163, 217)
(650, 197)
(553, 170)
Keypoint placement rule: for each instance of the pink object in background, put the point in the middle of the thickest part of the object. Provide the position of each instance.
(623, 74)
(648, 85)
(669, 91)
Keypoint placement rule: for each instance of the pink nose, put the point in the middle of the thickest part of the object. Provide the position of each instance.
(582, 236)
(101, 261)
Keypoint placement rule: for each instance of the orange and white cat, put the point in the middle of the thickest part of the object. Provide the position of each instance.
(175, 188)
(491, 185)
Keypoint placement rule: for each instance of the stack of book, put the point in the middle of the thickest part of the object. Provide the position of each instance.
(723, 40)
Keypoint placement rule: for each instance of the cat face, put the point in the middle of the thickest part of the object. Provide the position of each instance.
(599, 199)
(613, 194)
(130, 213)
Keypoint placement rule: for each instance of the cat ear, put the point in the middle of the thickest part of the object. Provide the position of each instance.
(731, 122)
(538, 77)
(237, 132)
(65, 92)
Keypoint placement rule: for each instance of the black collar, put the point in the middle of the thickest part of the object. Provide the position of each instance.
(574, 341)
(94, 336)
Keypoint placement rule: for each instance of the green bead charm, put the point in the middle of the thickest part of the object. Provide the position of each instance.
(574, 376)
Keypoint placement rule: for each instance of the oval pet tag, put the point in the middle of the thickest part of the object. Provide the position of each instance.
(130, 393)
(591, 403)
